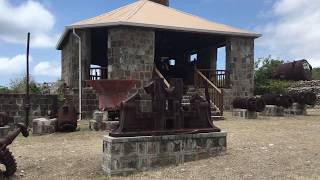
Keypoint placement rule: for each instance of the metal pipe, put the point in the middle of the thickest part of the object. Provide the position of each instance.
(80, 73)
(27, 99)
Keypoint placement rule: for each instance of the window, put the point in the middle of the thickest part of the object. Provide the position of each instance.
(193, 57)
(172, 62)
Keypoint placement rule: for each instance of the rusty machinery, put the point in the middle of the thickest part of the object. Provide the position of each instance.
(6, 157)
(296, 70)
(285, 101)
(167, 116)
(304, 98)
(67, 118)
(254, 104)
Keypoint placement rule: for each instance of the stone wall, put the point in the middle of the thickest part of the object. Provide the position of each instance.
(90, 102)
(307, 86)
(131, 56)
(122, 156)
(70, 58)
(69, 55)
(240, 65)
(40, 104)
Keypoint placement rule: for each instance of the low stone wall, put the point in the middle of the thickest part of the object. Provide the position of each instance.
(13, 104)
(125, 155)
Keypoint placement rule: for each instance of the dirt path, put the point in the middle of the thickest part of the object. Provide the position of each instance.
(267, 148)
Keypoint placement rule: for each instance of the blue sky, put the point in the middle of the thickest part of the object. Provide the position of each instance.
(287, 25)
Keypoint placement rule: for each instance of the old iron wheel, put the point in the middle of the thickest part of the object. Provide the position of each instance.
(9, 162)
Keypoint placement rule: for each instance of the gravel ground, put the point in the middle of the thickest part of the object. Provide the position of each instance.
(266, 148)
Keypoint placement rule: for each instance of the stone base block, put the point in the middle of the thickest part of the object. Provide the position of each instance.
(42, 126)
(244, 114)
(296, 109)
(4, 131)
(103, 125)
(272, 110)
(126, 155)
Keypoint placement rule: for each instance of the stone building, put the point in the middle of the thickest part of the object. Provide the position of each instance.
(148, 36)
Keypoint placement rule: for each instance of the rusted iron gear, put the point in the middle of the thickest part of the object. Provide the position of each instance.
(253, 104)
(7, 159)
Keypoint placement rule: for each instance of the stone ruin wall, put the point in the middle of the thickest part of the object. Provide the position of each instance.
(307, 86)
(13, 104)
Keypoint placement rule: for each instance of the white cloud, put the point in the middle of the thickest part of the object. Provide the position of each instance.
(12, 66)
(29, 16)
(295, 33)
(48, 69)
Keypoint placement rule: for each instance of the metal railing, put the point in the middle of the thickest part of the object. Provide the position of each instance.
(215, 94)
(220, 78)
(98, 73)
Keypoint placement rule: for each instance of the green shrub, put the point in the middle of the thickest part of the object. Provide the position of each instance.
(273, 86)
(4, 89)
(264, 83)
(316, 73)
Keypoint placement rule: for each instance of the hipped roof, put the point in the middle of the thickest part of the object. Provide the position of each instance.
(145, 13)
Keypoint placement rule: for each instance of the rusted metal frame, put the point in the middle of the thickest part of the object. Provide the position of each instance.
(4, 142)
(158, 73)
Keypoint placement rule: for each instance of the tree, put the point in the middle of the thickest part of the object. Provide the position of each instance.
(264, 83)
(4, 89)
(19, 85)
(316, 73)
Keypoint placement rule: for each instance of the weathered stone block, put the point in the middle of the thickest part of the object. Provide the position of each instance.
(272, 110)
(98, 116)
(244, 114)
(296, 109)
(42, 126)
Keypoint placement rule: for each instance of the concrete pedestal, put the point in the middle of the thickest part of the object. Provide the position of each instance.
(272, 110)
(4, 131)
(126, 155)
(244, 114)
(103, 125)
(296, 109)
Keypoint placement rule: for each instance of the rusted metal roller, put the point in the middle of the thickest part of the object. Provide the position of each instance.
(67, 118)
(278, 99)
(303, 98)
(253, 104)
